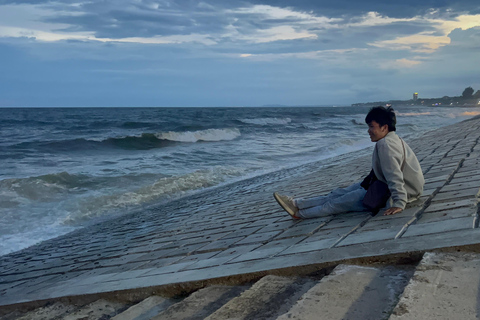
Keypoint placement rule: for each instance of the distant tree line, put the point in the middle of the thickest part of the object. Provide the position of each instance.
(468, 93)
(468, 98)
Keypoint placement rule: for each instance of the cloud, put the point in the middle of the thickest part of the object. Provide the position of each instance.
(300, 51)
(400, 64)
(430, 41)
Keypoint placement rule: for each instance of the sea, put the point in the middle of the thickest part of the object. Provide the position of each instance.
(65, 168)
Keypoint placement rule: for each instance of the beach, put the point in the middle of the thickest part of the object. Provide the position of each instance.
(237, 233)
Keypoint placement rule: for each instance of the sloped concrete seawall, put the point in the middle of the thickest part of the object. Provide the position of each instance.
(238, 233)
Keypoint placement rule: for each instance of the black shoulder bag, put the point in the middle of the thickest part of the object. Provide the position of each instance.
(377, 191)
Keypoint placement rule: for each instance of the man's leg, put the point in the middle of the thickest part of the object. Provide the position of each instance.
(320, 200)
(350, 199)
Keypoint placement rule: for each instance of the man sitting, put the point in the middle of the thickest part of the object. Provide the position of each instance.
(393, 163)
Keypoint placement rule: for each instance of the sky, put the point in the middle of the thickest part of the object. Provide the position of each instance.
(157, 53)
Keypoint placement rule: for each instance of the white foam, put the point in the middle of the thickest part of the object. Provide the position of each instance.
(202, 135)
(165, 188)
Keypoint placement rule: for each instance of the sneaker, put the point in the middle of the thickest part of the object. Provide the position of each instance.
(287, 204)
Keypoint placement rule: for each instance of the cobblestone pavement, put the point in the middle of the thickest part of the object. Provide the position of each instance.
(239, 229)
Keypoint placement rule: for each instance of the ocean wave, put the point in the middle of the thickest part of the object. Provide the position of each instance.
(355, 122)
(136, 124)
(201, 135)
(49, 187)
(162, 189)
(413, 114)
(42, 188)
(145, 141)
(267, 121)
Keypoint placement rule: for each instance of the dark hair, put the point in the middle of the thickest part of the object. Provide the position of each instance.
(382, 116)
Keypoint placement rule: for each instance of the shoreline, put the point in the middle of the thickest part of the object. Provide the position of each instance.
(295, 169)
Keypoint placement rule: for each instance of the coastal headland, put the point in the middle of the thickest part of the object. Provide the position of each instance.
(236, 234)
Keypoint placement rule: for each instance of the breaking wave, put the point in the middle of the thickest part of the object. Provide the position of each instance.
(413, 114)
(202, 135)
(164, 188)
(144, 141)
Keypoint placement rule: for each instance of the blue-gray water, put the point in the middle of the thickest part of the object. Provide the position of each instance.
(62, 169)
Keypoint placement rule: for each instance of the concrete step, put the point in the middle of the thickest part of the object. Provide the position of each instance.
(444, 286)
(200, 304)
(352, 292)
(100, 309)
(145, 309)
(52, 311)
(266, 299)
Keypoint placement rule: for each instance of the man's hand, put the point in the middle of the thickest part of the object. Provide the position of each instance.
(392, 211)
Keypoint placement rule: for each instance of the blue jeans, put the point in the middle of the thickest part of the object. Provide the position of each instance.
(338, 201)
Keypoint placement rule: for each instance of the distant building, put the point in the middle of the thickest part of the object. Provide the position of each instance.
(415, 96)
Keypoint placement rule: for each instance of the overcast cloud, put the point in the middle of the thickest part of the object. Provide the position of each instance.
(240, 53)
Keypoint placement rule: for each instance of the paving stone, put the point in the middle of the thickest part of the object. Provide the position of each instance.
(434, 185)
(467, 172)
(282, 243)
(465, 179)
(310, 246)
(281, 224)
(369, 236)
(351, 292)
(457, 194)
(303, 228)
(259, 254)
(439, 227)
(445, 215)
(237, 250)
(221, 244)
(439, 206)
(334, 233)
(241, 232)
(455, 185)
(258, 238)
(444, 286)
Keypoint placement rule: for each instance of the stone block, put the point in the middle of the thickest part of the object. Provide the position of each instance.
(266, 299)
(351, 292)
(95, 310)
(146, 309)
(200, 304)
(444, 286)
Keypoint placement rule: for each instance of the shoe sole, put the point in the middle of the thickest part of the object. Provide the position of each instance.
(283, 205)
